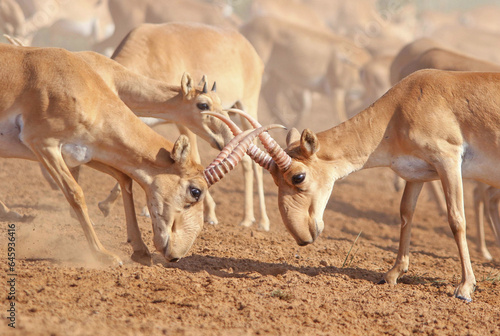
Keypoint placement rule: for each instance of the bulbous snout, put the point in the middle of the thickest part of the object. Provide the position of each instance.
(315, 228)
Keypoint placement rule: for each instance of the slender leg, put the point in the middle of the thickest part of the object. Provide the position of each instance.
(306, 104)
(50, 157)
(264, 219)
(338, 101)
(451, 177)
(141, 253)
(398, 182)
(106, 205)
(407, 208)
(480, 210)
(48, 178)
(493, 197)
(437, 193)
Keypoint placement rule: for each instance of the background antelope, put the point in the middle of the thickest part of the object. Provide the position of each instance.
(238, 74)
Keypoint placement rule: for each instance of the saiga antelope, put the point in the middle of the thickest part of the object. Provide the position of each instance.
(402, 130)
(56, 110)
(153, 99)
(162, 52)
(443, 59)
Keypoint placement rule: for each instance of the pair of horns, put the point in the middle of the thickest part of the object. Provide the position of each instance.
(204, 82)
(277, 156)
(233, 152)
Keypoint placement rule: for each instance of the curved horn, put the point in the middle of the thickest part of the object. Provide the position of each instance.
(214, 173)
(280, 157)
(259, 156)
(203, 80)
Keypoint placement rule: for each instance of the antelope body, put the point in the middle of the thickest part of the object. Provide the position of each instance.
(56, 110)
(166, 51)
(403, 130)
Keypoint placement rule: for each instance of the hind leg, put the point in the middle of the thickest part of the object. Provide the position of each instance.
(50, 156)
(407, 209)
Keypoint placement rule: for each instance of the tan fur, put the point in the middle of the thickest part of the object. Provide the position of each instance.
(88, 18)
(443, 59)
(128, 14)
(165, 51)
(403, 130)
(56, 110)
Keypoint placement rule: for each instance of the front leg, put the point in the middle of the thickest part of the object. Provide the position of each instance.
(141, 253)
(480, 210)
(407, 209)
(493, 197)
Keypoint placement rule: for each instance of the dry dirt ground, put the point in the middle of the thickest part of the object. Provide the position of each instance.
(240, 281)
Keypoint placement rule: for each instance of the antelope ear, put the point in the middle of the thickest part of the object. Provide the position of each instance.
(292, 136)
(181, 151)
(186, 83)
(309, 143)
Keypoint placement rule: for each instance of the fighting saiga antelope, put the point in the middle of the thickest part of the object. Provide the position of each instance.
(166, 51)
(56, 110)
(151, 98)
(484, 197)
(401, 130)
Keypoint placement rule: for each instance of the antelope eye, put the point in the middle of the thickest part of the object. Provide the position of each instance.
(195, 192)
(298, 178)
(203, 106)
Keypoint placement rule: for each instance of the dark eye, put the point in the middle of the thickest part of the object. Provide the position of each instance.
(203, 106)
(298, 178)
(195, 192)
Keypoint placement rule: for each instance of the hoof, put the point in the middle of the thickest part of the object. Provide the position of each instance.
(467, 300)
(212, 220)
(142, 257)
(108, 258)
(247, 223)
(145, 212)
(104, 208)
(381, 282)
(13, 216)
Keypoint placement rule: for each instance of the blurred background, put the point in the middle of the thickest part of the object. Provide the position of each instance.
(340, 52)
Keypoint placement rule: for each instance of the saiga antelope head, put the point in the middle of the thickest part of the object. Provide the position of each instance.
(199, 99)
(177, 221)
(304, 185)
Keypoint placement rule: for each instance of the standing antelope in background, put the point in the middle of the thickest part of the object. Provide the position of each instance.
(403, 131)
(307, 58)
(56, 110)
(166, 51)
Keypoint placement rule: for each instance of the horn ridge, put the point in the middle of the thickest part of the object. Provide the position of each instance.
(260, 157)
(281, 158)
(215, 173)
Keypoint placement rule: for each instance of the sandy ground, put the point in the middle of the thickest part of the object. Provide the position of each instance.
(241, 281)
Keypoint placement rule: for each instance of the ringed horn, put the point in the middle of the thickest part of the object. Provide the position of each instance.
(232, 153)
(277, 155)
